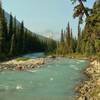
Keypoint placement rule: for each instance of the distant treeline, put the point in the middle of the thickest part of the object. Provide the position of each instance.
(16, 40)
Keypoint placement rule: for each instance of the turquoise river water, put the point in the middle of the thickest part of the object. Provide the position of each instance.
(55, 80)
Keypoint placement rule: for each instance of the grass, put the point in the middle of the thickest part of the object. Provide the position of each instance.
(22, 59)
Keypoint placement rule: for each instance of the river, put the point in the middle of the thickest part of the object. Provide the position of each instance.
(55, 80)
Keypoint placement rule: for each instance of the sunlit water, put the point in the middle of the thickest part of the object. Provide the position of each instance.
(55, 80)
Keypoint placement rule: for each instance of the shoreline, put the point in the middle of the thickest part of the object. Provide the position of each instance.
(90, 88)
(87, 89)
(22, 65)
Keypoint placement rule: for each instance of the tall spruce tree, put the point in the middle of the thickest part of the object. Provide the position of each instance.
(68, 38)
(10, 26)
(79, 39)
(71, 40)
(3, 31)
(1, 27)
(62, 36)
(21, 37)
(67, 43)
(80, 10)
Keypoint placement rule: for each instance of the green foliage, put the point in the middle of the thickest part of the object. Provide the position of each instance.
(67, 44)
(10, 27)
(88, 41)
(91, 34)
(80, 10)
(98, 54)
(2, 56)
(16, 40)
(22, 59)
(3, 29)
(79, 39)
(62, 36)
(97, 45)
(74, 1)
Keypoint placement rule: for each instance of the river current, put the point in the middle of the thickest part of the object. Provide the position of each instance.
(55, 80)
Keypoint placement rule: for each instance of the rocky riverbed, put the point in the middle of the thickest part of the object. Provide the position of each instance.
(90, 89)
(21, 64)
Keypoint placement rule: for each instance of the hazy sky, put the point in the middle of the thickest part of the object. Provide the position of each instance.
(43, 16)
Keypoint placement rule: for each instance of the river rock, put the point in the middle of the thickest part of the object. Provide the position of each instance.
(22, 65)
(90, 90)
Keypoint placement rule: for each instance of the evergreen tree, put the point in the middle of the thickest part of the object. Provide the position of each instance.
(62, 36)
(10, 27)
(67, 43)
(68, 38)
(1, 27)
(79, 39)
(16, 40)
(14, 26)
(3, 31)
(71, 40)
(80, 10)
(21, 37)
(25, 44)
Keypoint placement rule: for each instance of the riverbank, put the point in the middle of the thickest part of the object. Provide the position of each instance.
(50, 81)
(22, 64)
(90, 89)
(25, 62)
